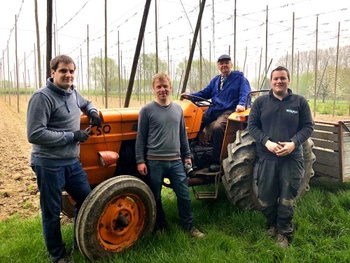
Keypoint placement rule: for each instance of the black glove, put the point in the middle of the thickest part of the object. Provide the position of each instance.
(81, 136)
(95, 119)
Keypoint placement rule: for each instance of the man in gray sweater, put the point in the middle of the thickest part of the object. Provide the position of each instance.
(161, 148)
(53, 128)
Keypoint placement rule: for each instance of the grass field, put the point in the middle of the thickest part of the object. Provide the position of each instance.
(232, 235)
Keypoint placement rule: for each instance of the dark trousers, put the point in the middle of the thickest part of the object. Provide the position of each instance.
(278, 184)
(51, 182)
(218, 131)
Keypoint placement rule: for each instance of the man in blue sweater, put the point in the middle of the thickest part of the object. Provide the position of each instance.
(228, 92)
(53, 128)
(161, 150)
(280, 122)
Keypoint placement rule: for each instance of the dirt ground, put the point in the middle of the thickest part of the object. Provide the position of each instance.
(18, 189)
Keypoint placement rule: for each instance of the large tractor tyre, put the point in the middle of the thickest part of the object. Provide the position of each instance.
(309, 159)
(238, 171)
(238, 179)
(117, 213)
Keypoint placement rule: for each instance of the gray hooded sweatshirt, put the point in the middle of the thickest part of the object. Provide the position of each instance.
(53, 115)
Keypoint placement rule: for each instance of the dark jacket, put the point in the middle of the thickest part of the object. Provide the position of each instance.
(277, 120)
(234, 92)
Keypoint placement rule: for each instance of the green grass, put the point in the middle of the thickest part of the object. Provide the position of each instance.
(232, 235)
(341, 107)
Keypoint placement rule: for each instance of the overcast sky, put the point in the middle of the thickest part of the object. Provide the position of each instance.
(176, 22)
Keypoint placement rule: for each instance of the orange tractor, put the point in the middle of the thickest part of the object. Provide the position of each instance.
(121, 208)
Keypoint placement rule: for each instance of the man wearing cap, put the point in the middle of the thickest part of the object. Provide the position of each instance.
(228, 92)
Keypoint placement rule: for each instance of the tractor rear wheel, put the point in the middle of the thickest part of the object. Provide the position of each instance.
(238, 179)
(117, 213)
(238, 171)
(309, 159)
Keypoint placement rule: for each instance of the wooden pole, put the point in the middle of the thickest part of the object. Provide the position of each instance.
(137, 53)
(88, 59)
(35, 69)
(144, 71)
(38, 45)
(8, 73)
(81, 70)
(168, 54)
(16, 64)
(102, 76)
(48, 38)
(106, 57)
(266, 39)
(234, 35)
(188, 68)
(316, 66)
(156, 31)
(336, 71)
(119, 74)
(25, 75)
(292, 62)
(298, 61)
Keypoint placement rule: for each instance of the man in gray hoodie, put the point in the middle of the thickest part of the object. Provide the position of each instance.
(53, 128)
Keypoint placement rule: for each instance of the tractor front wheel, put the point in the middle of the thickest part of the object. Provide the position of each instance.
(117, 213)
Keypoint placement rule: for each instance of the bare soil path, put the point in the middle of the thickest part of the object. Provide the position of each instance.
(18, 189)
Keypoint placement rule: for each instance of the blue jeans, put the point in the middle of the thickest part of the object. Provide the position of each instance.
(51, 182)
(174, 170)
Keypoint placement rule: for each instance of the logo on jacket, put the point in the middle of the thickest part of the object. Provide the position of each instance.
(291, 111)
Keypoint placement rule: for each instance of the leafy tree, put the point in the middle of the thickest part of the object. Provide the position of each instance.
(324, 88)
(146, 70)
(209, 70)
(306, 84)
(343, 83)
(97, 67)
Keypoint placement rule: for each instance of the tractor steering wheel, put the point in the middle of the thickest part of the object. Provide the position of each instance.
(199, 101)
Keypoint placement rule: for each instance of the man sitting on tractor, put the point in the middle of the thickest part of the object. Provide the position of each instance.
(228, 92)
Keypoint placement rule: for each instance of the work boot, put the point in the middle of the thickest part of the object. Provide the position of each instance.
(272, 231)
(64, 259)
(282, 241)
(159, 228)
(195, 233)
